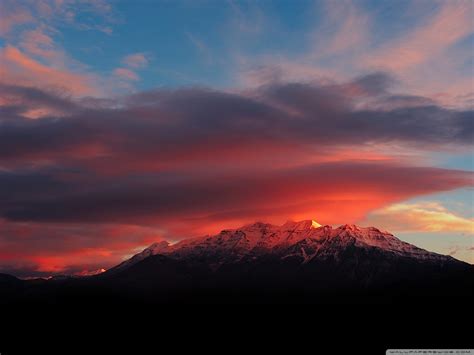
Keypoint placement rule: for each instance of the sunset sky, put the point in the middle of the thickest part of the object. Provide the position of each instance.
(124, 123)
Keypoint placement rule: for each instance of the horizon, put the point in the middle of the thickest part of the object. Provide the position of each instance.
(128, 123)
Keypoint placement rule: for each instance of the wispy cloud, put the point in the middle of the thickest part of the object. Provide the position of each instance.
(450, 24)
(20, 69)
(13, 14)
(31, 55)
(203, 50)
(136, 60)
(423, 58)
(126, 74)
(345, 30)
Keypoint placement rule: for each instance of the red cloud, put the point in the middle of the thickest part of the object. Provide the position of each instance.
(194, 161)
(29, 249)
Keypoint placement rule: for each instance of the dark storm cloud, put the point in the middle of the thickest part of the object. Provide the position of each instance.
(374, 83)
(23, 99)
(425, 125)
(168, 152)
(392, 102)
(172, 123)
(157, 197)
(80, 180)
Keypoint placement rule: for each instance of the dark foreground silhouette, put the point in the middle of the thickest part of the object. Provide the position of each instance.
(348, 288)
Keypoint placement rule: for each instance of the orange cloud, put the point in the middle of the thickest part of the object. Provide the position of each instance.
(421, 217)
(17, 68)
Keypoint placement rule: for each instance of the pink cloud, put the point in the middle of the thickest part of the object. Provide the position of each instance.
(136, 60)
(18, 68)
(424, 58)
(452, 23)
(126, 74)
(12, 15)
(39, 44)
(348, 26)
(193, 161)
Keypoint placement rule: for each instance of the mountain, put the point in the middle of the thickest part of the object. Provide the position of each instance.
(263, 263)
(299, 282)
(302, 260)
(303, 241)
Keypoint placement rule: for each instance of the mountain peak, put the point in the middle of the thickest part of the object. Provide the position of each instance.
(301, 225)
(158, 246)
(306, 241)
(351, 227)
(256, 225)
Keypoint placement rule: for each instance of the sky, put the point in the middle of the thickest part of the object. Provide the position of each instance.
(124, 123)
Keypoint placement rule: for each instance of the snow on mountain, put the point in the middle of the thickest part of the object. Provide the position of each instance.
(154, 249)
(304, 240)
(302, 225)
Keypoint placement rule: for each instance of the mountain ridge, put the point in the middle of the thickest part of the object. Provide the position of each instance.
(297, 262)
(258, 238)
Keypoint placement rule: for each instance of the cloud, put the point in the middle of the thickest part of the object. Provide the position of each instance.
(11, 15)
(30, 102)
(451, 23)
(72, 220)
(16, 16)
(136, 60)
(334, 192)
(42, 249)
(31, 56)
(126, 74)
(429, 58)
(247, 19)
(279, 151)
(393, 102)
(421, 217)
(85, 180)
(195, 160)
(17, 68)
(348, 26)
(299, 122)
(201, 47)
(38, 43)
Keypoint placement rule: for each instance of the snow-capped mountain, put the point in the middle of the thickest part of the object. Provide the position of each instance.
(260, 262)
(154, 249)
(301, 241)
